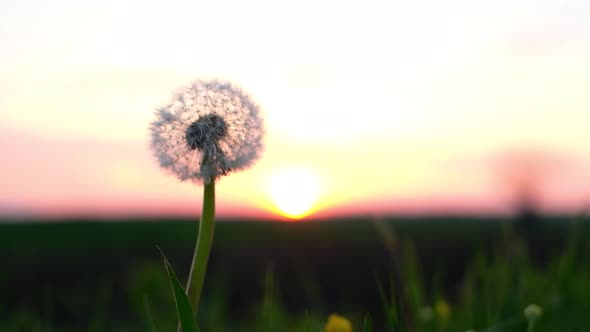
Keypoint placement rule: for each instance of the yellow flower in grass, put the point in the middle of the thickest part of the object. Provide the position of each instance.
(337, 323)
(442, 308)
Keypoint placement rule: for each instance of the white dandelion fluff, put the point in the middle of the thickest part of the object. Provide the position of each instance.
(208, 130)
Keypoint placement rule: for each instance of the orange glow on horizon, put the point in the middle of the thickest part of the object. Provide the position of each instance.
(408, 111)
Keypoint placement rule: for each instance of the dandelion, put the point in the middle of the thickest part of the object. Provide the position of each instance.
(532, 313)
(337, 323)
(209, 129)
(426, 313)
(442, 308)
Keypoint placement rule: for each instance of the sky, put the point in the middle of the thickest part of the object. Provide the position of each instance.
(371, 107)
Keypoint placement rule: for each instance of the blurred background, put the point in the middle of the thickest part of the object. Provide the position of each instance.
(418, 144)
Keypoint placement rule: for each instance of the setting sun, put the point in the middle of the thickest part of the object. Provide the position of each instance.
(294, 192)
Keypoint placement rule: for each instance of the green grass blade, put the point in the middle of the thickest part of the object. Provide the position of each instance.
(390, 317)
(368, 324)
(150, 324)
(183, 307)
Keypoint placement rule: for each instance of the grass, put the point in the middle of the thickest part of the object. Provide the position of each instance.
(437, 274)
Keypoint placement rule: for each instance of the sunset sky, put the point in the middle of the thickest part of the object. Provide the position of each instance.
(371, 107)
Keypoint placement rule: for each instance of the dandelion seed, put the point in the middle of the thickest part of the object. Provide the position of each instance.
(210, 129)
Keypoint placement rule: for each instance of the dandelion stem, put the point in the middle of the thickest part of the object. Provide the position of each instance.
(196, 277)
(531, 325)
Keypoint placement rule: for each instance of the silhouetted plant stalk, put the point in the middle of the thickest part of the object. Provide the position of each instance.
(196, 277)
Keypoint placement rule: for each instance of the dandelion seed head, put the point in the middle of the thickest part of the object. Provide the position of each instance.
(533, 311)
(205, 132)
(209, 129)
(426, 313)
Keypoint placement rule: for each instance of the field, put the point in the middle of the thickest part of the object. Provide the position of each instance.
(406, 274)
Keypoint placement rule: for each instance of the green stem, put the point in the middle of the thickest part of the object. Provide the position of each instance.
(196, 277)
(531, 326)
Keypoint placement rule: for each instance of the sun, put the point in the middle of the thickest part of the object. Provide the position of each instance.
(294, 192)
